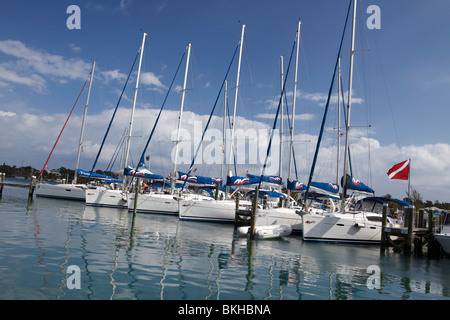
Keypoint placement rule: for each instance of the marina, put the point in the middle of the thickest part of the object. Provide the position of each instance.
(292, 190)
(125, 256)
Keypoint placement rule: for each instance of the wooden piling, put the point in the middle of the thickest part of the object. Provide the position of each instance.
(32, 187)
(410, 222)
(2, 177)
(430, 222)
(138, 190)
(216, 195)
(253, 218)
(420, 223)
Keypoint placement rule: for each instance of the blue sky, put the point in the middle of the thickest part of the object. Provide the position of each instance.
(400, 84)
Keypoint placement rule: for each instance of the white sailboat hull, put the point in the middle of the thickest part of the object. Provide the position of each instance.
(341, 228)
(444, 241)
(61, 191)
(159, 203)
(277, 216)
(102, 197)
(208, 210)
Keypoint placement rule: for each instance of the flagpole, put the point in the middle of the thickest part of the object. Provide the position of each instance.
(409, 180)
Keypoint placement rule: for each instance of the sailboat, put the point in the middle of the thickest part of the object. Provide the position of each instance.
(164, 202)
(211, 209)
(69, 191)
(106, 196)
(346, 225)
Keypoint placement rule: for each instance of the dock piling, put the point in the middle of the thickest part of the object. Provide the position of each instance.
(410, 223)
(138, 190)
(253, 218)
(2, 177)
(32, 187)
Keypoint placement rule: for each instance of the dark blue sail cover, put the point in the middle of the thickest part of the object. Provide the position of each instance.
(239, 181)
(142, 174)
(270, 179)
(269, 193)
(326, 186)
(358, 186)
(85, 173)
(295, 185)
(251, 179)
(198, 179)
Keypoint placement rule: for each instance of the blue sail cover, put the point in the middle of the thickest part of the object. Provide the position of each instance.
(85, 173)
(357, 185)
(326, 186)
(142, 174)
(385, 200)
(251, 179)
(270, 194)
(270, 179)
(198, 179)
(295, 185)
(239, 181)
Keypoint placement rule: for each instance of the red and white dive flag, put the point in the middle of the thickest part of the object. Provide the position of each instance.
(399, 171)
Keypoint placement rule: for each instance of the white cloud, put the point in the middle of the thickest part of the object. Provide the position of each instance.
(149, 78)
(45, 63)
(31, 80)
(6, 114)
(112, 75)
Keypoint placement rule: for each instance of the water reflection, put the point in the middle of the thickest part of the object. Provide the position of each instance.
(122, 256)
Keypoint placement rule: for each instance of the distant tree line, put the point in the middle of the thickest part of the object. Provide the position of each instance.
(28, 171)
(68, 174)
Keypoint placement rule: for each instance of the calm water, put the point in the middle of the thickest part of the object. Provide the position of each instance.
(153, 257)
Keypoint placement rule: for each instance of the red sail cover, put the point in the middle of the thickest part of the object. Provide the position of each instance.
(399, 171)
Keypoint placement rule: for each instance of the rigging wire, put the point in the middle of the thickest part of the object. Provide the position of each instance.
(56, 142)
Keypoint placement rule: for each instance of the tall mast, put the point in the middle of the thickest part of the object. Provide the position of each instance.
(291, 151)
(241, 42)
(338, 123)
(347, 125)
(180, 116)
(82, 125)
(280, 165)
(130, 128)
(224, 128)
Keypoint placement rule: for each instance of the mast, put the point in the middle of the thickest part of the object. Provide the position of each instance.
(291, 151)
(224, 140)
(347, 125)
(130, 127)
(281, 120)
(82, 125)
(241, 42)
(180, 116)
(338, 123)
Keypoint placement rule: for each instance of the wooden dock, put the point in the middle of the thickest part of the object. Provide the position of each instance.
(31, 186)
(413, 236)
